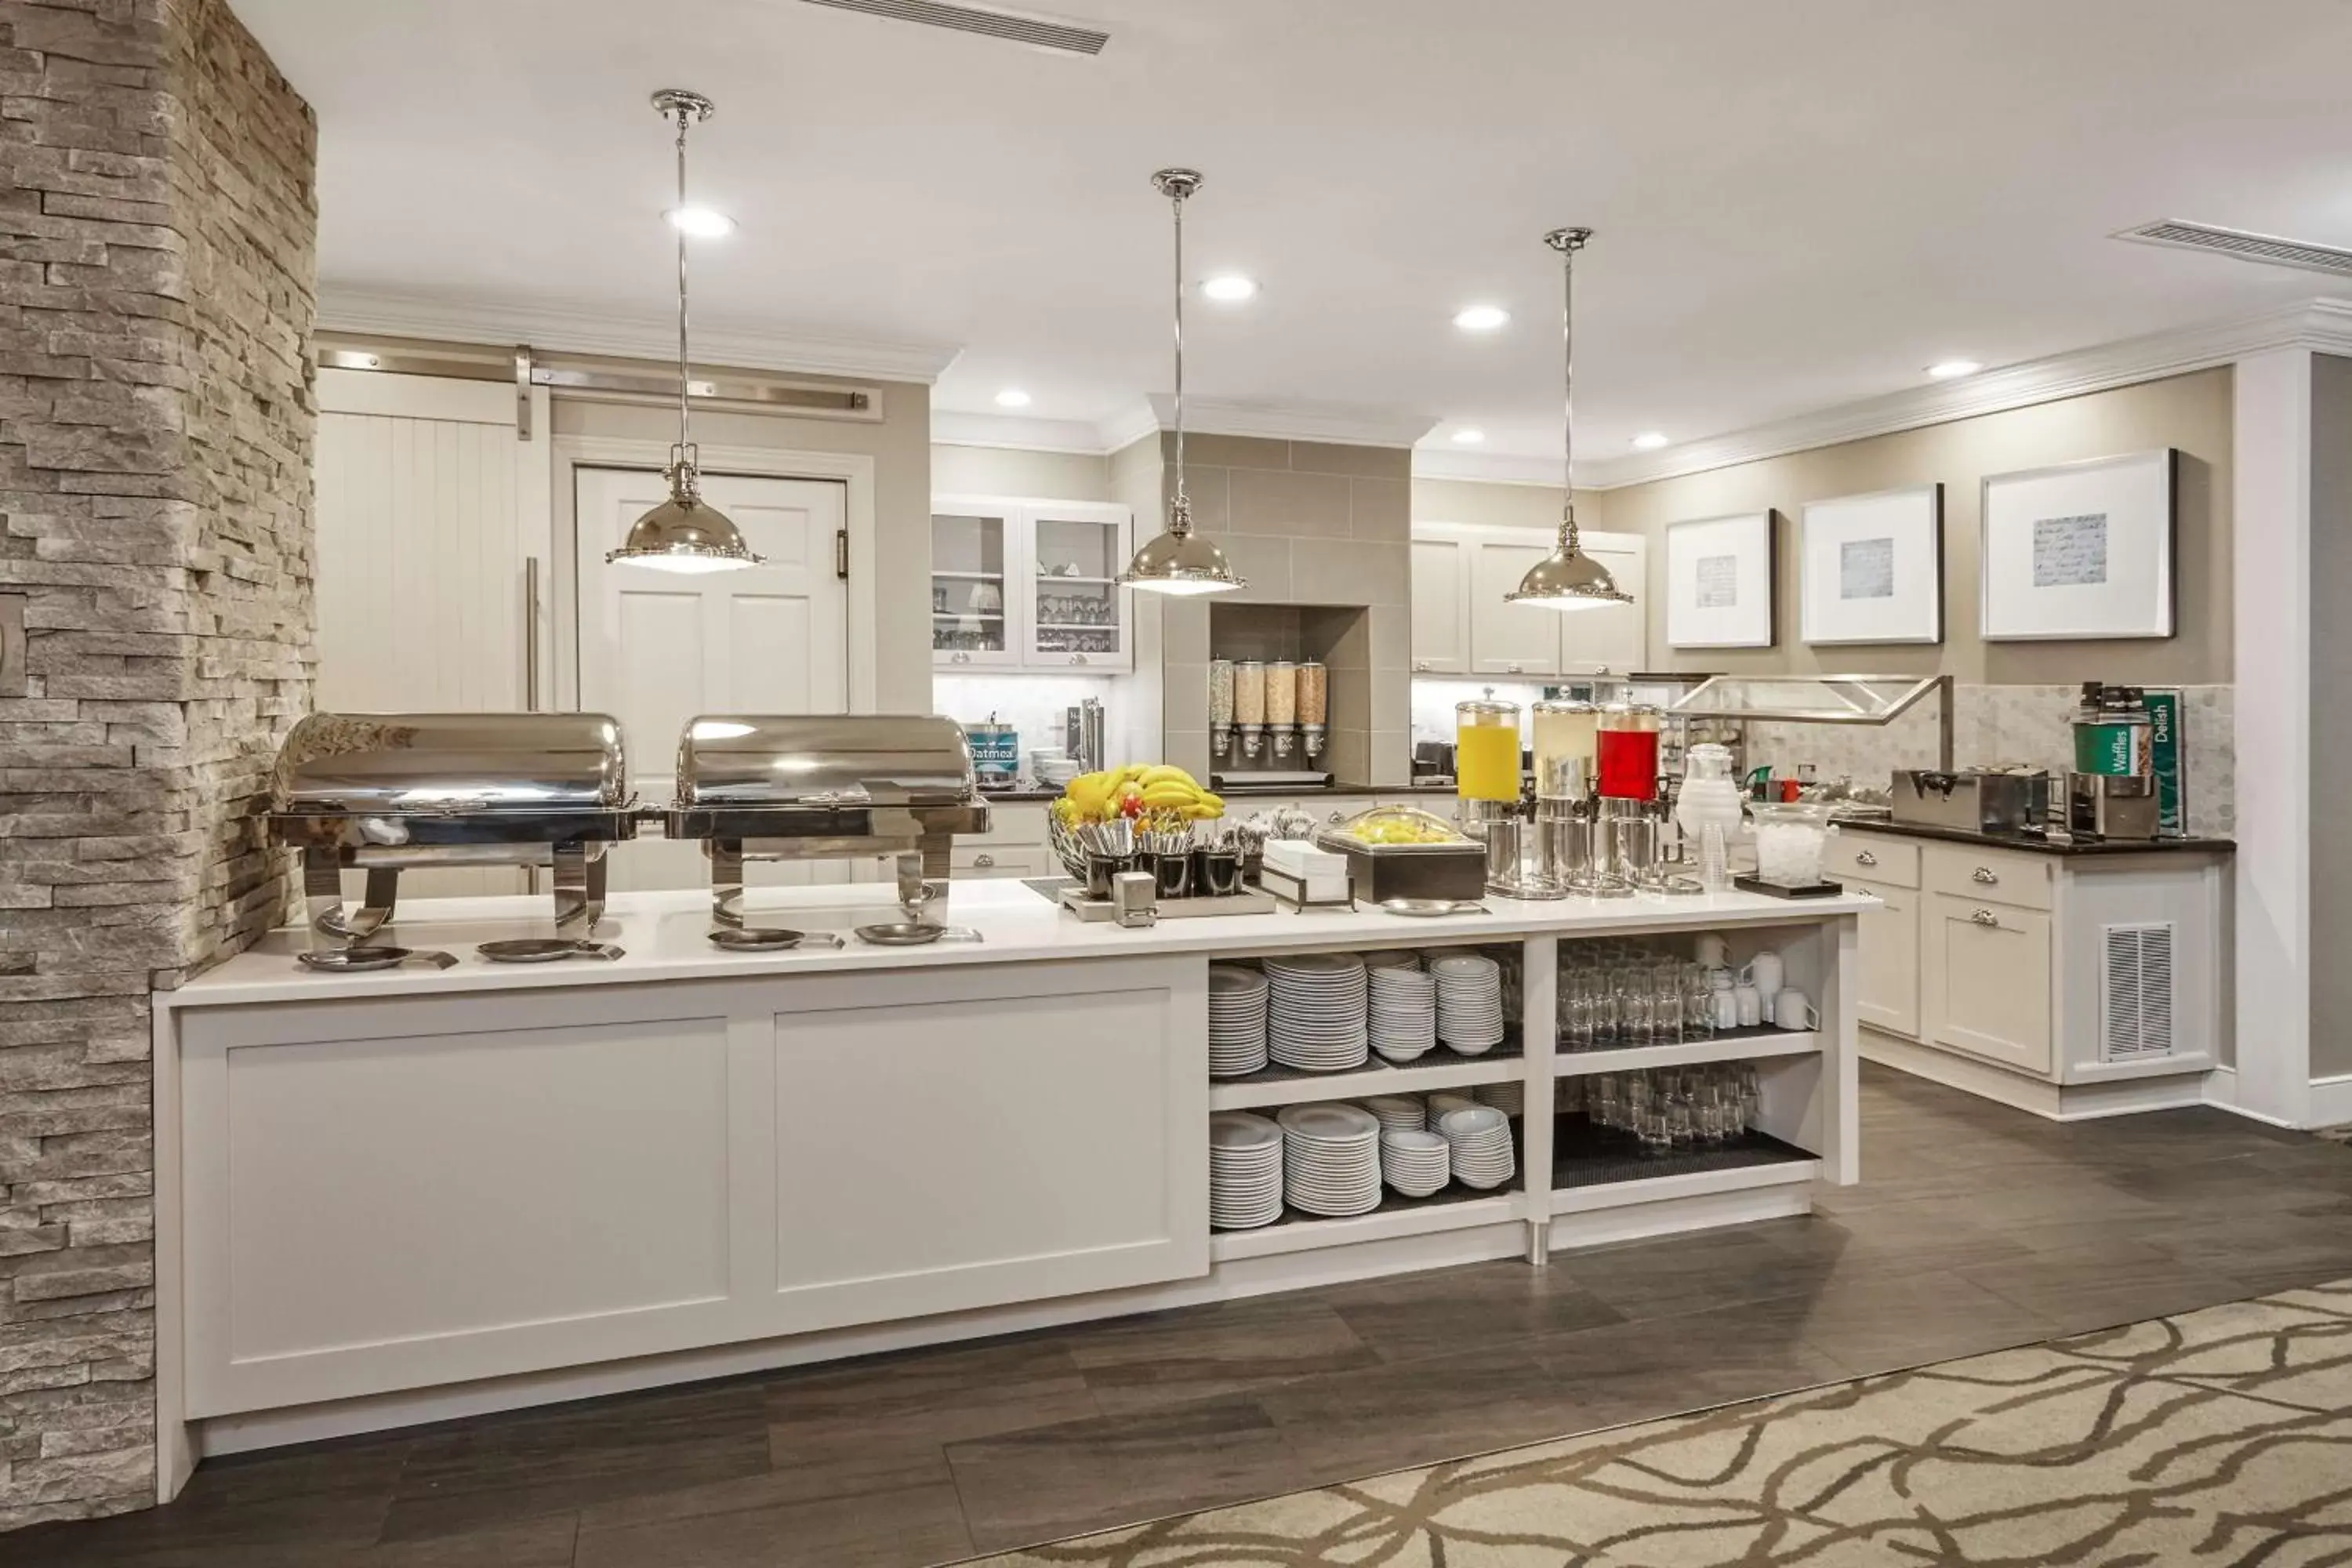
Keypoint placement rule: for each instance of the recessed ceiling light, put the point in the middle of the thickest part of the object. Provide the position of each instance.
(1649, 441)
(701, 223)
(1951, 368)
(1013, 397)
(1480, 317)
(1468, 438)
(1229, 286)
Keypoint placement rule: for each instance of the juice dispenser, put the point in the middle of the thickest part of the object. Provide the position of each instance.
(1567, 744)
(1487, 780)
(1626, 839)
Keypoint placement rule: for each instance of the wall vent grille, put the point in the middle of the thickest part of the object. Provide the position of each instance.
(2266, 248)
(1031, 30)
(2136, 992)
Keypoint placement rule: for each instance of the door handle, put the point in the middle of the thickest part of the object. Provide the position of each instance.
(1984, 875)
(1986, 918)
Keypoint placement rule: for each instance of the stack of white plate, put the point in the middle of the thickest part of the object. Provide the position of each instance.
(1330, 1159)
(1236, 1020)
(1510, 1099)
(1244, 1171)
(1469, 1001)
(1480, 1140)
(1315, 1017)
(1414, 1164)
(1444, 1101)
(1398, 1112)
(1403, 1010)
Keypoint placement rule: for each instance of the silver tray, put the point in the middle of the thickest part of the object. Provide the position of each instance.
(1075, 902)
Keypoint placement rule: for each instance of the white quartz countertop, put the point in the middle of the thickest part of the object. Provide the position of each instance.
(665, 936)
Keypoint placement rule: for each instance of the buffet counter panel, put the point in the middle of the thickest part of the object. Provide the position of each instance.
(397, 1197)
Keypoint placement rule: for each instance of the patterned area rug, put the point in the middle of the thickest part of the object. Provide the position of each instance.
(2222, 1437)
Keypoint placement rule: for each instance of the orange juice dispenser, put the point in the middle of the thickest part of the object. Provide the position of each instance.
(1486, 781)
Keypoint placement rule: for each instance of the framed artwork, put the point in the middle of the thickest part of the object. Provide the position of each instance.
(1872, 567)
(2083, 550)
(1719, 581)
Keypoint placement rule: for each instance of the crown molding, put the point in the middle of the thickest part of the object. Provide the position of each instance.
(1343, 423)
(2323, 324)
(584, 328)
(950, 427)
(1130, 424)
(1450, 462)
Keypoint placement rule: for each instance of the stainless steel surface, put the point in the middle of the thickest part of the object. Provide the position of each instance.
(358, 960)
(1250, 901)
(1082, 734)
(386, 791)
(1985, 917)
(530, 633)
(522, 395)
(769, 938)
(914, 933)
(825, 786)
(1975, 801)
(800, 397)
(1179, 561)
(1568, 579)
(2114, 806)
(1431, 909)
(1377, 873)
(545, 950)
(1135, 899)
(1874, 701)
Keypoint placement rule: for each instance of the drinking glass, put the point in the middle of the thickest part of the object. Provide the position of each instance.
(1654, 1128)
(1698, 1003)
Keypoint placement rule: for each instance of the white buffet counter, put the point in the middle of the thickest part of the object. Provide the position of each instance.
(399, 1196)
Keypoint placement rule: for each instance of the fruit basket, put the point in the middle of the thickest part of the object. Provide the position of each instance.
(1152, 796)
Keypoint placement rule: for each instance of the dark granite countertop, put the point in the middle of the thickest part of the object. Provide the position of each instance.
(1239, 792)
(2040, 845)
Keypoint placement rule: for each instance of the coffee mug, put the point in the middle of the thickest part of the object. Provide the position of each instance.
(1721, 979)
(1713, 952)
(1793, 1010)
(1767, 971)
(1727, 1009)
(1750, 1003)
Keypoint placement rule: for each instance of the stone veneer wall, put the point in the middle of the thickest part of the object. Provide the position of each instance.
(157, 236)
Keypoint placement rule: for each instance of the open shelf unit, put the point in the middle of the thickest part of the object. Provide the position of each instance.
(1441, 1069)
(1450, 1208)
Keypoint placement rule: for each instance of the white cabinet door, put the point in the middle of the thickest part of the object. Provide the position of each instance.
(1440, 599)
(1609, 641)
(976, 595)
(1985, 981)
(1509, 639)
(1887, 990)
(656, 648)
(1075, 616)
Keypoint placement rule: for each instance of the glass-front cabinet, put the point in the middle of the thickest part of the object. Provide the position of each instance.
(1030, 585)
(973, 597)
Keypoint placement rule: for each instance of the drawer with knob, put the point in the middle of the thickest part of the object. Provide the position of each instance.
(2020, 880)
(1869, 857)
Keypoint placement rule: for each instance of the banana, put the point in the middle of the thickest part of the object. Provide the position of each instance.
(1166, 772)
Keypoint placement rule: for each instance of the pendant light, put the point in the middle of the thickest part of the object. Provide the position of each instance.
(1179, 561)
(685, 533)
(1569, 579)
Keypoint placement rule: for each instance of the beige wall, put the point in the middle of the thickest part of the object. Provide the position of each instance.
(900, 444)
(2331, 727)
(1490, 505)
(2189, 412)
(1005, 471)
(1304, 522)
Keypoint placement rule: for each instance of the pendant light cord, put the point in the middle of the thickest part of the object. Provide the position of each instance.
(683, 114)
(1568, 242)
(1181, 518)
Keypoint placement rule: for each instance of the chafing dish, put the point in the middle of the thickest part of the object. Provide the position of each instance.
(1975, 801)
(1397, 852)
(823, 787)
(385, 792)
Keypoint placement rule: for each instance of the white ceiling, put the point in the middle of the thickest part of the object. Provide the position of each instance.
(1799, 204)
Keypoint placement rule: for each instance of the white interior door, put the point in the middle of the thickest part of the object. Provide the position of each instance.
(656, 648)
(431, 505)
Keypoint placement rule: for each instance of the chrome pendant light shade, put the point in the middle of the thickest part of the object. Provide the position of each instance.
(1569, 579)
(685, 533)
(1179, 561)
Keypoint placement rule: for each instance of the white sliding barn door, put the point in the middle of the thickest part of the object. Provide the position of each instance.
(431, 504)
(657, 647)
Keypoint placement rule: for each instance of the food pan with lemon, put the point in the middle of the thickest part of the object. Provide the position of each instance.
(1401, 852)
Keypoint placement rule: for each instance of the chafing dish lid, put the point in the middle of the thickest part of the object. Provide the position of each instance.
(838, 759)
(391, 764)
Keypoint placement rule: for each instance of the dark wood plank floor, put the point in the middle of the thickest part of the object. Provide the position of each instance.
(1975, 1228)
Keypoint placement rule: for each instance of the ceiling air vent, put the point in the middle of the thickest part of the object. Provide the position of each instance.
(2266, 248)
(2136, 992)
(1019, 29)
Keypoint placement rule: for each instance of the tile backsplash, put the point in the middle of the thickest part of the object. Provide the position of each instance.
(1992, 725)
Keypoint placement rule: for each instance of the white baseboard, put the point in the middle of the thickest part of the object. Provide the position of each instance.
(2055, 1102)
(2329, 1105)
(2331, 1101)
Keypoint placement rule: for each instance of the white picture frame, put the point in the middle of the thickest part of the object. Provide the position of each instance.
(2082, 550)
(1720, 581)
(1870, 568)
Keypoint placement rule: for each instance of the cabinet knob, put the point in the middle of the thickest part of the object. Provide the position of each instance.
(1077, 658)
(1865, 857)
(1986, 918)
(1984, 875)
(1421, 664)
(960, 658)
(1515, 670)
(982, 861)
